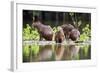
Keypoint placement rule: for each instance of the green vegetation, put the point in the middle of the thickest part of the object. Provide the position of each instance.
(86, 35)
(55, 29)
(30, 33)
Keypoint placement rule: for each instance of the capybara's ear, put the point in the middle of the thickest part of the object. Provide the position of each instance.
(35, 18)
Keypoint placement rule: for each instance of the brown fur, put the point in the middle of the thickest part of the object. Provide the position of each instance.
(45, 31)
(59, 36)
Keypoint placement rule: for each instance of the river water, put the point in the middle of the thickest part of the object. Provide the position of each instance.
(35, 52)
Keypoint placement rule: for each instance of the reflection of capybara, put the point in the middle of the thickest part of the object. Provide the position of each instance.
(70, 32)
(59, 36)
(68, 52)
(45, 31)
(71, 52)
(59, 51)
(45, 53)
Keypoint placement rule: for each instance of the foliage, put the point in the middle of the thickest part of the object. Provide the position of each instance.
(30, 34)
(55, 29)
(85, 36)
(76, 19)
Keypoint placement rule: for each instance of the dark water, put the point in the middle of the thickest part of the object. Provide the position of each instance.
(56, 52)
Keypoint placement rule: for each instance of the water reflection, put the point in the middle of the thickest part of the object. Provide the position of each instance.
(55, 52)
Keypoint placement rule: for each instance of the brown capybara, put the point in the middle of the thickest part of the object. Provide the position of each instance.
(70, 32)
(67, 28)
(45, 31)
(74, 34)
(59, 35)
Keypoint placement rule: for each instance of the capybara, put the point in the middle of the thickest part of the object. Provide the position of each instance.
(45, 31)
(59, 35)
(67, 28)
(74, 34)
(70, 32)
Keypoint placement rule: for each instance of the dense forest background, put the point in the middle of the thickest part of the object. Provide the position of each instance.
(57, 18)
